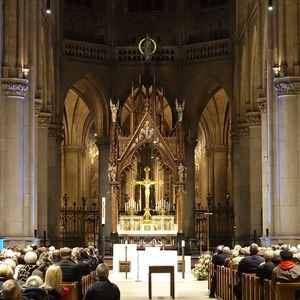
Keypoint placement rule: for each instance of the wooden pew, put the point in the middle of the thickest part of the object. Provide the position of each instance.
(73, 289)
(85, 282)
(285, 290)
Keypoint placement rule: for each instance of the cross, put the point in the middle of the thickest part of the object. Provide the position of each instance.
(147, 183)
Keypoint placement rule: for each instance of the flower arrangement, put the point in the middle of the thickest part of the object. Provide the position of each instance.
(200, 270)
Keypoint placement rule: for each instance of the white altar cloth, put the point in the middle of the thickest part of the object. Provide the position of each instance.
(141, 260)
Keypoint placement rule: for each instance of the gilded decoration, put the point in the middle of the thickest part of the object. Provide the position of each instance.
(147, 154)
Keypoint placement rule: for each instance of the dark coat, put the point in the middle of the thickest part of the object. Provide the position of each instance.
(102, 289)
(249, 264)
(71, 272)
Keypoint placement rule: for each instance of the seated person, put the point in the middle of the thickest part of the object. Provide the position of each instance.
(11, 290)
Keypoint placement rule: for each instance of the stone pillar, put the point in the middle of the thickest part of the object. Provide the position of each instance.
(180, 208)
(72, 159)
(54, 181)
(218, 164)
(114, 194)
(43, 121)
(286, 202)
(15, 207)
(241, 179)
(255, 168)
(266, 203)
(104, 188)
(189, 203)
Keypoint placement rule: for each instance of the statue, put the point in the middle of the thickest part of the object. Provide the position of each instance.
(112, 172)
(181, 172)
(114, 111)
(180, 109)
(147, 47)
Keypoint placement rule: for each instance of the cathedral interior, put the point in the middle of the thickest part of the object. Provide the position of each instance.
(149, 122)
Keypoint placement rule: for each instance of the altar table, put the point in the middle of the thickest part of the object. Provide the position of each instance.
(162, 269)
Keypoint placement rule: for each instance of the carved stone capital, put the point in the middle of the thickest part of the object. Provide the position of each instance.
(240, 130)
(262, 104)
(56, 131)
(287, 85)
(253, 118)
(44, 119)
(14, 87)
(37, 106)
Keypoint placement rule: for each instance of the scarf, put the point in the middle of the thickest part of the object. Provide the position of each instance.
(286, 264)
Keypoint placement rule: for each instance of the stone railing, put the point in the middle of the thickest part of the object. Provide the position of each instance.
(164, 54)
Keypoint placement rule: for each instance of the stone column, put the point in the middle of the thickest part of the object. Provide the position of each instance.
(266, 202)
(54, 180)
(189, 203)
(218, 164)
(179, 208)
(14, 219)
(43, 121)
(241, 179)
(104, 188)
(114, 194)
(255, 168)
(72, 159)
(286, 206)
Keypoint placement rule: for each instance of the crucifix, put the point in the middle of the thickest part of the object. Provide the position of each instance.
(147, 183)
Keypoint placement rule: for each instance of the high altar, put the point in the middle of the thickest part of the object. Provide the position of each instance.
(147, 166)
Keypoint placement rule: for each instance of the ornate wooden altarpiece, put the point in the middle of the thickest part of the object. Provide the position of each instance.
(147, 166)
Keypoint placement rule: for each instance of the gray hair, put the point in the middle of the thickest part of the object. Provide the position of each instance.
(102, 270)
(30, 257)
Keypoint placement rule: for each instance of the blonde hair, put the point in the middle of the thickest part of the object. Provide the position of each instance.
(6, 271)
(34, 281)
(53, 277)
(11, 289)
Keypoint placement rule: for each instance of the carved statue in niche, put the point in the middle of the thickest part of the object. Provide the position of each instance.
(181, 171)
(114, 111)
(112, 171)
(180, 109)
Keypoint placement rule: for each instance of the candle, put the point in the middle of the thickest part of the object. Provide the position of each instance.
(183, 243)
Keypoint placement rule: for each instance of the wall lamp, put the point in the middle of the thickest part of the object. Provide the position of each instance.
(276, 70)
(25, 71)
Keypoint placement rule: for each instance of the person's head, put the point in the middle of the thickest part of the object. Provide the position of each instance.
(10, 262)
(253, 249)
(102, 270)
(11, 290)
(65, 253)
(53, 277)
(268, 254)
(56, 255)
(226, 250)
(30, 257)
(34, 281)
(219, 249)
(286, 254)
(6, 271)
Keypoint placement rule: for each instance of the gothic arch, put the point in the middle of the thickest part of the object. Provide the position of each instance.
(92, 93)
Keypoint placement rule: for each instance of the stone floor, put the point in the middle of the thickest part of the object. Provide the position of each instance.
(137, 289)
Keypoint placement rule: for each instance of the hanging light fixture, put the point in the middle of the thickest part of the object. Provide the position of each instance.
(270, 7)
(48, 7)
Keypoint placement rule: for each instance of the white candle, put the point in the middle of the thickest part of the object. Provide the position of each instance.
(183, 243)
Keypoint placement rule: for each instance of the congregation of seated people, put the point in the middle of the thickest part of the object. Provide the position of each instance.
(38, 273)
(276, 263)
